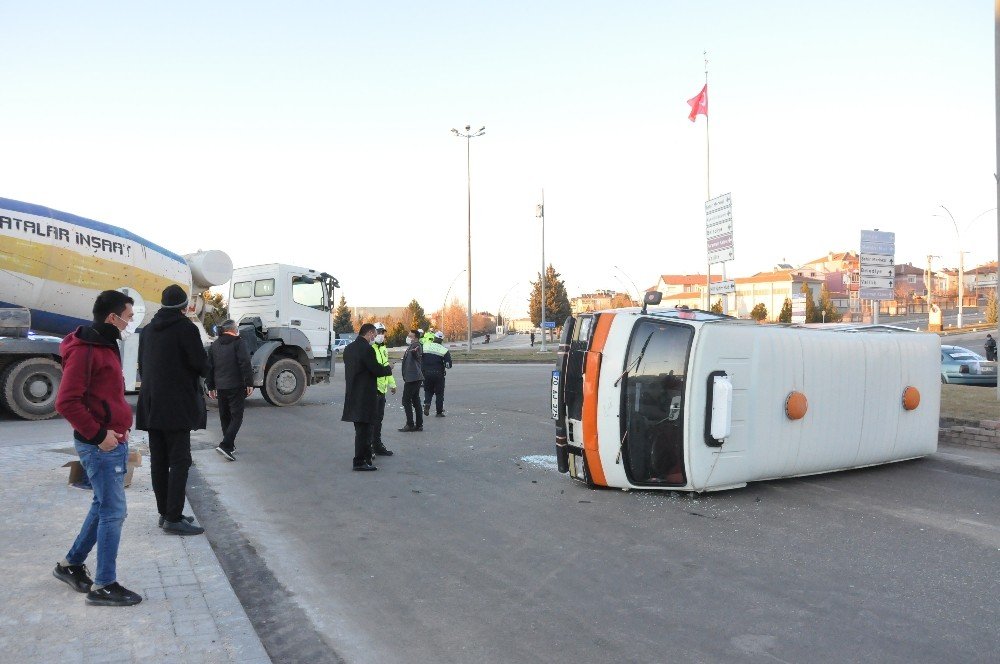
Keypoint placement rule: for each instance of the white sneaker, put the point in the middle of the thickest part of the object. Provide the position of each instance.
(226, 453)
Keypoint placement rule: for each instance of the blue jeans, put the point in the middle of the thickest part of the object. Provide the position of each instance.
(103, 525)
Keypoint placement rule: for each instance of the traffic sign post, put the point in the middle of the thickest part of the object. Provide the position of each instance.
(719, 242)
(877, 258)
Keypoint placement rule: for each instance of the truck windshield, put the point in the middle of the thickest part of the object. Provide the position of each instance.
(653, 403)
(308, 292)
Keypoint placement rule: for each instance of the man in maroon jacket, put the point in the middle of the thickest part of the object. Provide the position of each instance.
(92, 399)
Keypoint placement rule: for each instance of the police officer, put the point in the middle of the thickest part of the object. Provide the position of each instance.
(428, 336)
(437, 358)
(384, 383)
(991, 348)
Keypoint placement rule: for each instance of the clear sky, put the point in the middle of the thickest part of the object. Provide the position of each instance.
(318, 133)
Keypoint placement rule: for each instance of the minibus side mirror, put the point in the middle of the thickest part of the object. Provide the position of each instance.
(719, 409)
(651, 298)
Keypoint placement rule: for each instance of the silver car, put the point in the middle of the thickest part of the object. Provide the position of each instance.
(964, 367)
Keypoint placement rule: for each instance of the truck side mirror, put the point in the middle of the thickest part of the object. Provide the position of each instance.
(651, 298)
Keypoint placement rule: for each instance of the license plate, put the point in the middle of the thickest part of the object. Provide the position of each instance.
(988, 370)
(555, 395)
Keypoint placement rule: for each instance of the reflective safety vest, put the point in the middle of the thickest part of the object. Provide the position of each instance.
(428, 338)
(436, 359)
(382, 355)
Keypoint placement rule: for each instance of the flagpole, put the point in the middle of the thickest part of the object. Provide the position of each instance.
(708, 189)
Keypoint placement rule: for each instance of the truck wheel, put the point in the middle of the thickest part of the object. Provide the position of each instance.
(28, 388)
(284, 383)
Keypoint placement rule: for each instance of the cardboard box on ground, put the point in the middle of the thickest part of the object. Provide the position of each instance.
(78, 476)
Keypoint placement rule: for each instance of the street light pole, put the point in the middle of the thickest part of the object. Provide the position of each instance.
(638, 296)
(444, 306)
(540, 213)
(961, 266)
(500, 307)
(961, 256)
(468, 136)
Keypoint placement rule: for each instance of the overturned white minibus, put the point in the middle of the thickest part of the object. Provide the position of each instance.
(688, 400)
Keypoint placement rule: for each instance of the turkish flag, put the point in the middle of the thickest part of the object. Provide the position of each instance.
(699, 104)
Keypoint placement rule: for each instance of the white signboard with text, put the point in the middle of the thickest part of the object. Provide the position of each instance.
(877, 258)
(719, 228)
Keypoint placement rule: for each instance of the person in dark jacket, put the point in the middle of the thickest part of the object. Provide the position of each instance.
(171, 404)
(437, 358)
(413, 377)
(92, 399)
(230, 380)
(361, 372)
(991, 348)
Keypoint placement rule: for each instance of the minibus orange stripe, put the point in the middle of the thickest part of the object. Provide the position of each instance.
(592, 372)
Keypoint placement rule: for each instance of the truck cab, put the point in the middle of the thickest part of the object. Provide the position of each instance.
(284, 316)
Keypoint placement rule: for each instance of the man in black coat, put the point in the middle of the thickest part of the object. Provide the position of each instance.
(230, 380)
(171, 404)
(361, 371)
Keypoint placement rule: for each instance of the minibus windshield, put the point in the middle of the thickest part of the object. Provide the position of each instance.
(653, 402)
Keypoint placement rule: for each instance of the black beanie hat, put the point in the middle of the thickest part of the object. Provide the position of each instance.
(174, 297)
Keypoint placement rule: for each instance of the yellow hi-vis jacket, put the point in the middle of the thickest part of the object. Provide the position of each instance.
(382, 355)
(428, 338)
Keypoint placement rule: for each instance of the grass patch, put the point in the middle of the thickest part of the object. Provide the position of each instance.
(970, 402)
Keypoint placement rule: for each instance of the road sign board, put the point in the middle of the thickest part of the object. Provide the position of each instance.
(877, 270)
(877, 259)
(720, 287)
(799, 308)
(549, 324)
(878, 242)
(876, 282)
(876, 294)
(719, 228)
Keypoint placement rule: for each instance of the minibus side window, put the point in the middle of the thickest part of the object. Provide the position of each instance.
(653, 421)
(574, 367)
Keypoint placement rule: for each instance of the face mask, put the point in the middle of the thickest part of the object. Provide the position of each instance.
(410, 340)
(380, 338)
(130, 329)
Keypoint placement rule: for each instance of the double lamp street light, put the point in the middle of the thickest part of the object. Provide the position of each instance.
(468, 135)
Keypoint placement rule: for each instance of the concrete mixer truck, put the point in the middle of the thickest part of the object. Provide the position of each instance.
(53, 264)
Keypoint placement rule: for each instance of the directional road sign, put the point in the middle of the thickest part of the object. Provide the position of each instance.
(720, 287)
(877, 257)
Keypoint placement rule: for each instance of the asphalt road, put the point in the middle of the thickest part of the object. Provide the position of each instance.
(461, 550)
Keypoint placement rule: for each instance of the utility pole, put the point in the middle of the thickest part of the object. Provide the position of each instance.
(996, 75)
(540, 213)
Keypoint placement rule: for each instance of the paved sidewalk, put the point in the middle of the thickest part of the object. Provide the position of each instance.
(189, 612)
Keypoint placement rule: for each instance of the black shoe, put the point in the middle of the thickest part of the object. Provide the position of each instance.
(420, 428)
(382, 451)
(427, 409)
(226, 453)
(441, 414)
(75, 576)
(113, 594)
(189, 519)
(182, 527)
(364, 467)
(408, 428)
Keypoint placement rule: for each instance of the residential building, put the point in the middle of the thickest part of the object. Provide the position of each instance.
(599, 301)
(770, 289)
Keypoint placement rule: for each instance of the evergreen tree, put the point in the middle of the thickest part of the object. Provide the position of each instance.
(342, 317)
(991, 307)
(786, 311)
(717, 307)
(396, 336)
(759, 312)
(557, 307)
(415, 318)
(833, 314)
(812, 314)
